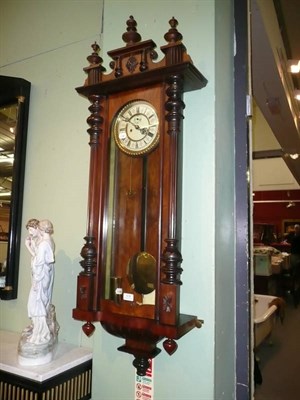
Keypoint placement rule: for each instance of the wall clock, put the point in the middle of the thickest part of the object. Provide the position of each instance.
(131, 259)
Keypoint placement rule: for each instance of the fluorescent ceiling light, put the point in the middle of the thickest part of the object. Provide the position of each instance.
(294, 156)
(4, 159)
(297, 94)
(293, 66)
(291, 204)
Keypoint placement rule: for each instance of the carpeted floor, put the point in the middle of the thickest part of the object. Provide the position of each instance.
(279, 362)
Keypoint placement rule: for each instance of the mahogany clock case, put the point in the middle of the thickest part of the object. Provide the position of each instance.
(131, 274)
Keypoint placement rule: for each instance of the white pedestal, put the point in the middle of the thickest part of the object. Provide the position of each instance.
(70, 371)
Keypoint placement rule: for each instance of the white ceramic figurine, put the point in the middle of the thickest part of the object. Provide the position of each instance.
(37, 341)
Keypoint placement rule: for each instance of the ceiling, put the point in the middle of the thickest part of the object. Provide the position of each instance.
(275, 38)
(288, 15)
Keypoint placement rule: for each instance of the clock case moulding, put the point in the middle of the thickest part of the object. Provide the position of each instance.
(135, 74)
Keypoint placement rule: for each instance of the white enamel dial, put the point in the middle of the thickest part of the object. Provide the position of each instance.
(135, 128)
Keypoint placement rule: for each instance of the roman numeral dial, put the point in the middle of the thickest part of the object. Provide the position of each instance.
(136, 128)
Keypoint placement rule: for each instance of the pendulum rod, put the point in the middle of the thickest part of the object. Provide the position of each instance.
(144, 203)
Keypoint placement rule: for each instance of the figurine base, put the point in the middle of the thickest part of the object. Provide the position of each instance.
(32, 352)
(38, 360)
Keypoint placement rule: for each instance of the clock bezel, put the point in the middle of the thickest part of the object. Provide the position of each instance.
(115, 129)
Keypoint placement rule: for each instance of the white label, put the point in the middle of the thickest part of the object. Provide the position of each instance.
(128, 296)
(119, 290)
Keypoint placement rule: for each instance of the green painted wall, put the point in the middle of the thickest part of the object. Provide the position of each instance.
(224, 206)
(47, 42)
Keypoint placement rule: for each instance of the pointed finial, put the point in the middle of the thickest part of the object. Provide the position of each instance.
(173, 35)
(94, 58)
(95, 69)
(131, 36)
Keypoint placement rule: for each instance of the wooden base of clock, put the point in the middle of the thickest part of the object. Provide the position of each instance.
(142, 335)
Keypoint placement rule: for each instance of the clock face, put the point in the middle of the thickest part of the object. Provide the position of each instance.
(136, 128)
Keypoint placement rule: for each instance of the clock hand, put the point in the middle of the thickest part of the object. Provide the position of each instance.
(130, 122)
(145, 129)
